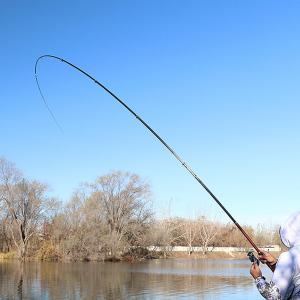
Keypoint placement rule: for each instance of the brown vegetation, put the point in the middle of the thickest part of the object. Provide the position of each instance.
(108, 219)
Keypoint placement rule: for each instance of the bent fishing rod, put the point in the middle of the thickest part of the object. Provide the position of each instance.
(184, 164)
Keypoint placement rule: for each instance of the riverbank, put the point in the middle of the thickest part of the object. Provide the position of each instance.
(136, 258)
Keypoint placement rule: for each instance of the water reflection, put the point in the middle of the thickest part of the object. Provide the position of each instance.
(158, 279)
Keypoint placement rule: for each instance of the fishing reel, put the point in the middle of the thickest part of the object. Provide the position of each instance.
(252, 257)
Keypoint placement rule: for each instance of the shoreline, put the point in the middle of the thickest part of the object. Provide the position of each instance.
(172, 255)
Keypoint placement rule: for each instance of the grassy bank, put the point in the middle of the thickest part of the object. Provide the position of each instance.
(9, 255)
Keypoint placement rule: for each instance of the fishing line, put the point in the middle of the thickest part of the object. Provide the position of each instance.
(45, 102)
(184, 164)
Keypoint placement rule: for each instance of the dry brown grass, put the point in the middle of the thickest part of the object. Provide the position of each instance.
(9, 255)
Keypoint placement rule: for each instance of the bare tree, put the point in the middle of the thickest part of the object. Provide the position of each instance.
(266, 234)
(190, 234)
(231, 236)
(5, 239)
(207, 230)
(25, 202)
(124, 201)
(167, 233)
(79, 229)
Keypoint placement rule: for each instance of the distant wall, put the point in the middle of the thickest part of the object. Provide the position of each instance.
(271, 248)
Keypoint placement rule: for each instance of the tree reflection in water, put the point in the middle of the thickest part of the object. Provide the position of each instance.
(20, 284)
(158, 279)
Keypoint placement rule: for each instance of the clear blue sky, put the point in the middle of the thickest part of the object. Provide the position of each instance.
(218, 79)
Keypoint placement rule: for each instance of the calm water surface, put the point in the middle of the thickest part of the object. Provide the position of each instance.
(155, 279)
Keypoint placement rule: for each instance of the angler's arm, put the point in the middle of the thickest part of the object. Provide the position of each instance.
(281, 285)
(267, 290)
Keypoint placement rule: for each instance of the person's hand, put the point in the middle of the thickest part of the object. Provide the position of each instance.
(255, 271)
(266, 257)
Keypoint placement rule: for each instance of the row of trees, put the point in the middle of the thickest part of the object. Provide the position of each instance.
(107, 218)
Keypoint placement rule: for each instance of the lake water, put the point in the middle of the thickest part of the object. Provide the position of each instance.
(155, 279)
